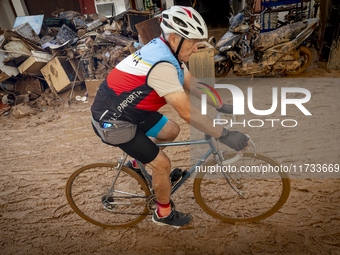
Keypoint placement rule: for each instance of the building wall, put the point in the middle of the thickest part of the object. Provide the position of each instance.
(20, 8)
(238, 5)
(46, 7)
(7, 15)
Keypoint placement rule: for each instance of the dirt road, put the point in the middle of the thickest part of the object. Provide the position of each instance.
(39, 153)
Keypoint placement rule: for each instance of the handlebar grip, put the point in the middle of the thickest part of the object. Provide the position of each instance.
(218, 116)
(232, 160)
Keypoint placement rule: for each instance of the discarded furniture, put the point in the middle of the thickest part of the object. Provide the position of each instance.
(60, 75)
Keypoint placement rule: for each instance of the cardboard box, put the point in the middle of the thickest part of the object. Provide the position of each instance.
(201, 64)
(34, 63)
(29, 85)
(59, 74)
(92, 87)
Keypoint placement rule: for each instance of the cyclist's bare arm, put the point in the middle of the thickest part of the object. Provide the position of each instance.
(192, 84)
(192, 114)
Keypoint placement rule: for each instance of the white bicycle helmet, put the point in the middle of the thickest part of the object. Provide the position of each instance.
(185, 21)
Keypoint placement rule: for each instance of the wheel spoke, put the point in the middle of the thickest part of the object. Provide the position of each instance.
(242, 197)
(87, 192)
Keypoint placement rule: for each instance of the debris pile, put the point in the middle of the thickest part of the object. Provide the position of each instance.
(41, 58)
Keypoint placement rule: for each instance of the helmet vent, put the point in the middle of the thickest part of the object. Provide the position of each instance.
(185, 32)
(166, 16)
(181, 12)
(166, 24)
(191, 25)
(180, 22)
(197, 20)
(201, 31)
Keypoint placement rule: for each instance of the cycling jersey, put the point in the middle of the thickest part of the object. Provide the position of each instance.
(126, 94)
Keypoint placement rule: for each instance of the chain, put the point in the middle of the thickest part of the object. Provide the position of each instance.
(126, 213)
(131, 213)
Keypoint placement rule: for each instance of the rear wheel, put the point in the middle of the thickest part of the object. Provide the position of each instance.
(87, 193)
(239, 197)
(305, 59)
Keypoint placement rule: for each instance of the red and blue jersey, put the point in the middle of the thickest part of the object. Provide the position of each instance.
(125, 94)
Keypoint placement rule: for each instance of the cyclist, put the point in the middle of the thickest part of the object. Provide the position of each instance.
(145, 81)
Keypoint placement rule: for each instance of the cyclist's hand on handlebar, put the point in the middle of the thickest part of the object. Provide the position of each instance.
(235, 140)
(226, 108)
(245, 148)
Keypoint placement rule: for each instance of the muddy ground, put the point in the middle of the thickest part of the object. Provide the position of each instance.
(39, 152)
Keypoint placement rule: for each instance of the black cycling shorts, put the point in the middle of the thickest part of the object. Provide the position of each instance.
(141, 147)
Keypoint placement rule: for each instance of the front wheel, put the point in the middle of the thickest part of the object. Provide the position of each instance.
(222, 68)
(241, 197)
(305, 61)
(87, 193)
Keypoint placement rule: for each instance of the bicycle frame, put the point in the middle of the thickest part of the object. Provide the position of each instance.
(145, 199)
(212, 150)
(207, 140)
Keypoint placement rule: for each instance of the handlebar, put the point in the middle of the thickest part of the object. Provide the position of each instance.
(254, 15)
(238, 156)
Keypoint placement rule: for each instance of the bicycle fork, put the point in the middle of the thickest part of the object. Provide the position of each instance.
(221, 161)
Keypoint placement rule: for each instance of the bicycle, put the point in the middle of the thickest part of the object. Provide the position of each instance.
(108, 194)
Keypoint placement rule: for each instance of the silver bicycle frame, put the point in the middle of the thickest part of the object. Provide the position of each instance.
(204, 157)
(212, 150)
(122, 160)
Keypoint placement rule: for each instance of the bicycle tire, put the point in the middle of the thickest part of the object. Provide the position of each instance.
(87, 187)
(228, 206)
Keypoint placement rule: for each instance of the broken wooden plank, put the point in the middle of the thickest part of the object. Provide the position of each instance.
(117, 39)
(334, 56)
(6, 71)
(149, 29)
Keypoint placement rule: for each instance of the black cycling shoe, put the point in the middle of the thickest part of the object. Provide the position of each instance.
(174, 219)
(129, 164)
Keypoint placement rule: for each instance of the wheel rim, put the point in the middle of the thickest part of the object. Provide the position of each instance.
(219, 69)
(306, 57)
(261, 197)
(86, 192)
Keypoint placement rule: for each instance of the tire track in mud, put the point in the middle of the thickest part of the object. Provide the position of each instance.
(36, 162)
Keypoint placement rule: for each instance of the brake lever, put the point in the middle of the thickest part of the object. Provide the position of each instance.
(218, 116)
